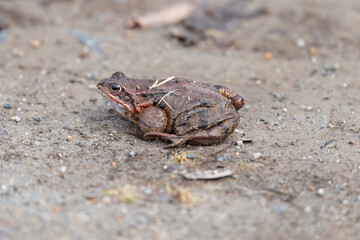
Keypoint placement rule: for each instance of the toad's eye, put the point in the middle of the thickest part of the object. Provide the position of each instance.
(115, 88)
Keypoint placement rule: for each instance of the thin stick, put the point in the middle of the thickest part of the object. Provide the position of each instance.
(163, 99)
(156, 83)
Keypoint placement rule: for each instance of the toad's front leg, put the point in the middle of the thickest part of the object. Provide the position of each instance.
(152, 119)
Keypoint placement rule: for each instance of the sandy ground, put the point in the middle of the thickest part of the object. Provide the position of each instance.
(69, 170)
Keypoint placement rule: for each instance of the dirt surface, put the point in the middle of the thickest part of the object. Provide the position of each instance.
(69, 169)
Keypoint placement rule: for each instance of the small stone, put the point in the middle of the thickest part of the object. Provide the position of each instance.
(320, 192)
(4, 188)
(63, 169)
(37, 118)
(281, 209)
(300, 42)
(16, 119)
(191, 156)
(329, 70)
(268, 56)
(107, 199)
(132, 154)
(35, 43)
(67, 127)
(18, 53)
(240, 143)
(220, 159)
(168, 168)
(7, 106)
(85, 52)
(256, 155)
(313, 51)
(326, 97)
(69, 138)
(147, 191)
(308, 209)
(114, 164)
(4, 133)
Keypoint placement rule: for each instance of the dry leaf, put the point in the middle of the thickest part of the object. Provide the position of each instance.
(208, 174)
(167, 16)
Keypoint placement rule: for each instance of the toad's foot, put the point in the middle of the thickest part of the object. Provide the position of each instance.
(175, 139)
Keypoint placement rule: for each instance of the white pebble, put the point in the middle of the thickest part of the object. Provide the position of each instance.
(16, 119)
(256, 155)
(240, 143)
(63, 169)
(4, 188)
(132, 154)
(300, 42)
(320, 192)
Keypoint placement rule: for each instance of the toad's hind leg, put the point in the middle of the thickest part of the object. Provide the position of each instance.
(215, 134)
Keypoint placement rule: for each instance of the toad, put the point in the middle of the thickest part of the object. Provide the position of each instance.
(175, 109)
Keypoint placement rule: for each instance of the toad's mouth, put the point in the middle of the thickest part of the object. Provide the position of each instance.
(115, 103)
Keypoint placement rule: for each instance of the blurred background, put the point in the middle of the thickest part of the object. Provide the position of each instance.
(69, 170)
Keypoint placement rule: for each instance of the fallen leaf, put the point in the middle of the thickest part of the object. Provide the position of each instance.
(208, 174)
(167, 16)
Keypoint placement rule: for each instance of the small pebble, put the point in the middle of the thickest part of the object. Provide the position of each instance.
(268, 56)
(4, 133)
(300, 42)
(4, 188)
(18, 53)
(16, 119)
(69, 138)
(63, 169)
(240, 143)
(7, 106)
(85, 52)
(37, 118)
(191, 156)
(132, 154)
(67, 127)
(320, 192)
(35, 43)
(329, 69)
(256, 155)
(147, 191)
(313, 51)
